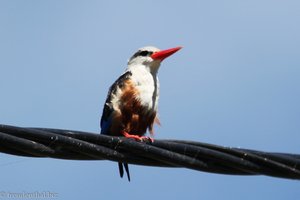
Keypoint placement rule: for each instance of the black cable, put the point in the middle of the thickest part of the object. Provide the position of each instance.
(77, 145)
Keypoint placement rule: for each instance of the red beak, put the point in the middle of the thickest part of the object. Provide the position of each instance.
(161, 55)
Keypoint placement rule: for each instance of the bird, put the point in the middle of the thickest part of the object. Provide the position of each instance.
(131, 104)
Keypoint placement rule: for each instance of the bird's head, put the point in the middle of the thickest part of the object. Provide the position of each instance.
(150, 57)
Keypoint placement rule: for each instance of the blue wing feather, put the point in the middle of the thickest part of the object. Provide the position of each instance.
(105, 125)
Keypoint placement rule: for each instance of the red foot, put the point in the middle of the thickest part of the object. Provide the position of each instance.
(147, 138)
(137, 137)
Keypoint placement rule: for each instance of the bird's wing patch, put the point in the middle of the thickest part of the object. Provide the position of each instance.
(106, 119)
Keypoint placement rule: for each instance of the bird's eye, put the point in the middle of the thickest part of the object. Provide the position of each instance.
(144, 53)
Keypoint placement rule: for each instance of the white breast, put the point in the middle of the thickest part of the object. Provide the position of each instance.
(148, 86)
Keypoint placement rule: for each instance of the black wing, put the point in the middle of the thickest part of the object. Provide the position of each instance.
(105, 121)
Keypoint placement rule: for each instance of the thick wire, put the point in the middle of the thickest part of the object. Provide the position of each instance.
(77, 145)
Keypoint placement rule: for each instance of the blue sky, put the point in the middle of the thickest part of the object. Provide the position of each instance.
(235, 83)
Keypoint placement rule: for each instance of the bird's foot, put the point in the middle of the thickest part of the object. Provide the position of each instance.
(137, 137)
(147, 138)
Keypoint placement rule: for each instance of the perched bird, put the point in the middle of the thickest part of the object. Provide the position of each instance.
(131, 104)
